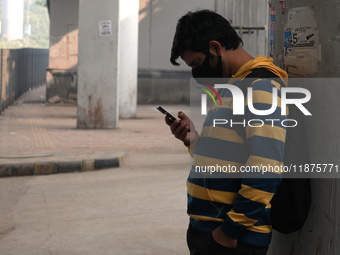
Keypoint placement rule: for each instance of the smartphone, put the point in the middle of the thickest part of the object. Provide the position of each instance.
(172, 118)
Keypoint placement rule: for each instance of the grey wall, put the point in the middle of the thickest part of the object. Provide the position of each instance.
(159, 81)
(157, 24)
(320, 233)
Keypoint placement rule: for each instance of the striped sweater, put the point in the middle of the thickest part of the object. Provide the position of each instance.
(239, 202)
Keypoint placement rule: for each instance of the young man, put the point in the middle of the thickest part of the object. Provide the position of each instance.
(228, 215)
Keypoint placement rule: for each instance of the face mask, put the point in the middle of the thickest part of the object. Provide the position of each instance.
(205, 70)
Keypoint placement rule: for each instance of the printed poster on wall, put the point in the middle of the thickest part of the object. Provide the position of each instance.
(301, 45)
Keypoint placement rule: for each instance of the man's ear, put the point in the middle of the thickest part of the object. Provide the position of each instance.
(215, 47)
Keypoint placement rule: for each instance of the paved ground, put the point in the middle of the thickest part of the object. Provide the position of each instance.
(139, 208)
(40, 132)
(136, 209)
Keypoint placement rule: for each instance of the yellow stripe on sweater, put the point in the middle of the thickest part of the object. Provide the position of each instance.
(224, 197)
(265, 229)
(263, 97)
(263, 163)
(240, 218)
(255, 195)
(276, 84)
(205, 218)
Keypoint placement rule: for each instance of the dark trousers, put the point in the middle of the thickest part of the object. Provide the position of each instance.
(202, 243)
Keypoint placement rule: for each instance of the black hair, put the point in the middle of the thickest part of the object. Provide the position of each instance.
(195, 30)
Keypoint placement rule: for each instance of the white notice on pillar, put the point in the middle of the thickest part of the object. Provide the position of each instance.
(105, 27)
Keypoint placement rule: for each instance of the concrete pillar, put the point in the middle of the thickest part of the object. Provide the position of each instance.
(128, 57)
(319, 59)
(98, 64)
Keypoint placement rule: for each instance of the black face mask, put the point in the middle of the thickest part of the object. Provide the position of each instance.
(205, 70)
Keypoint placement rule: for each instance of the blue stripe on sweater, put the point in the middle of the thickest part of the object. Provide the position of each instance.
(221, 149)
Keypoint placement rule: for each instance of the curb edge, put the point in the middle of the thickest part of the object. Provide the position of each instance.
(55, 167)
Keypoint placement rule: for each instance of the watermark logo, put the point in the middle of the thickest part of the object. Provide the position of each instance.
(204, 97)
(239, 99)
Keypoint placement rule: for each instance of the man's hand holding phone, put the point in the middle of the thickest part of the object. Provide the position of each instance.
(181, 128)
